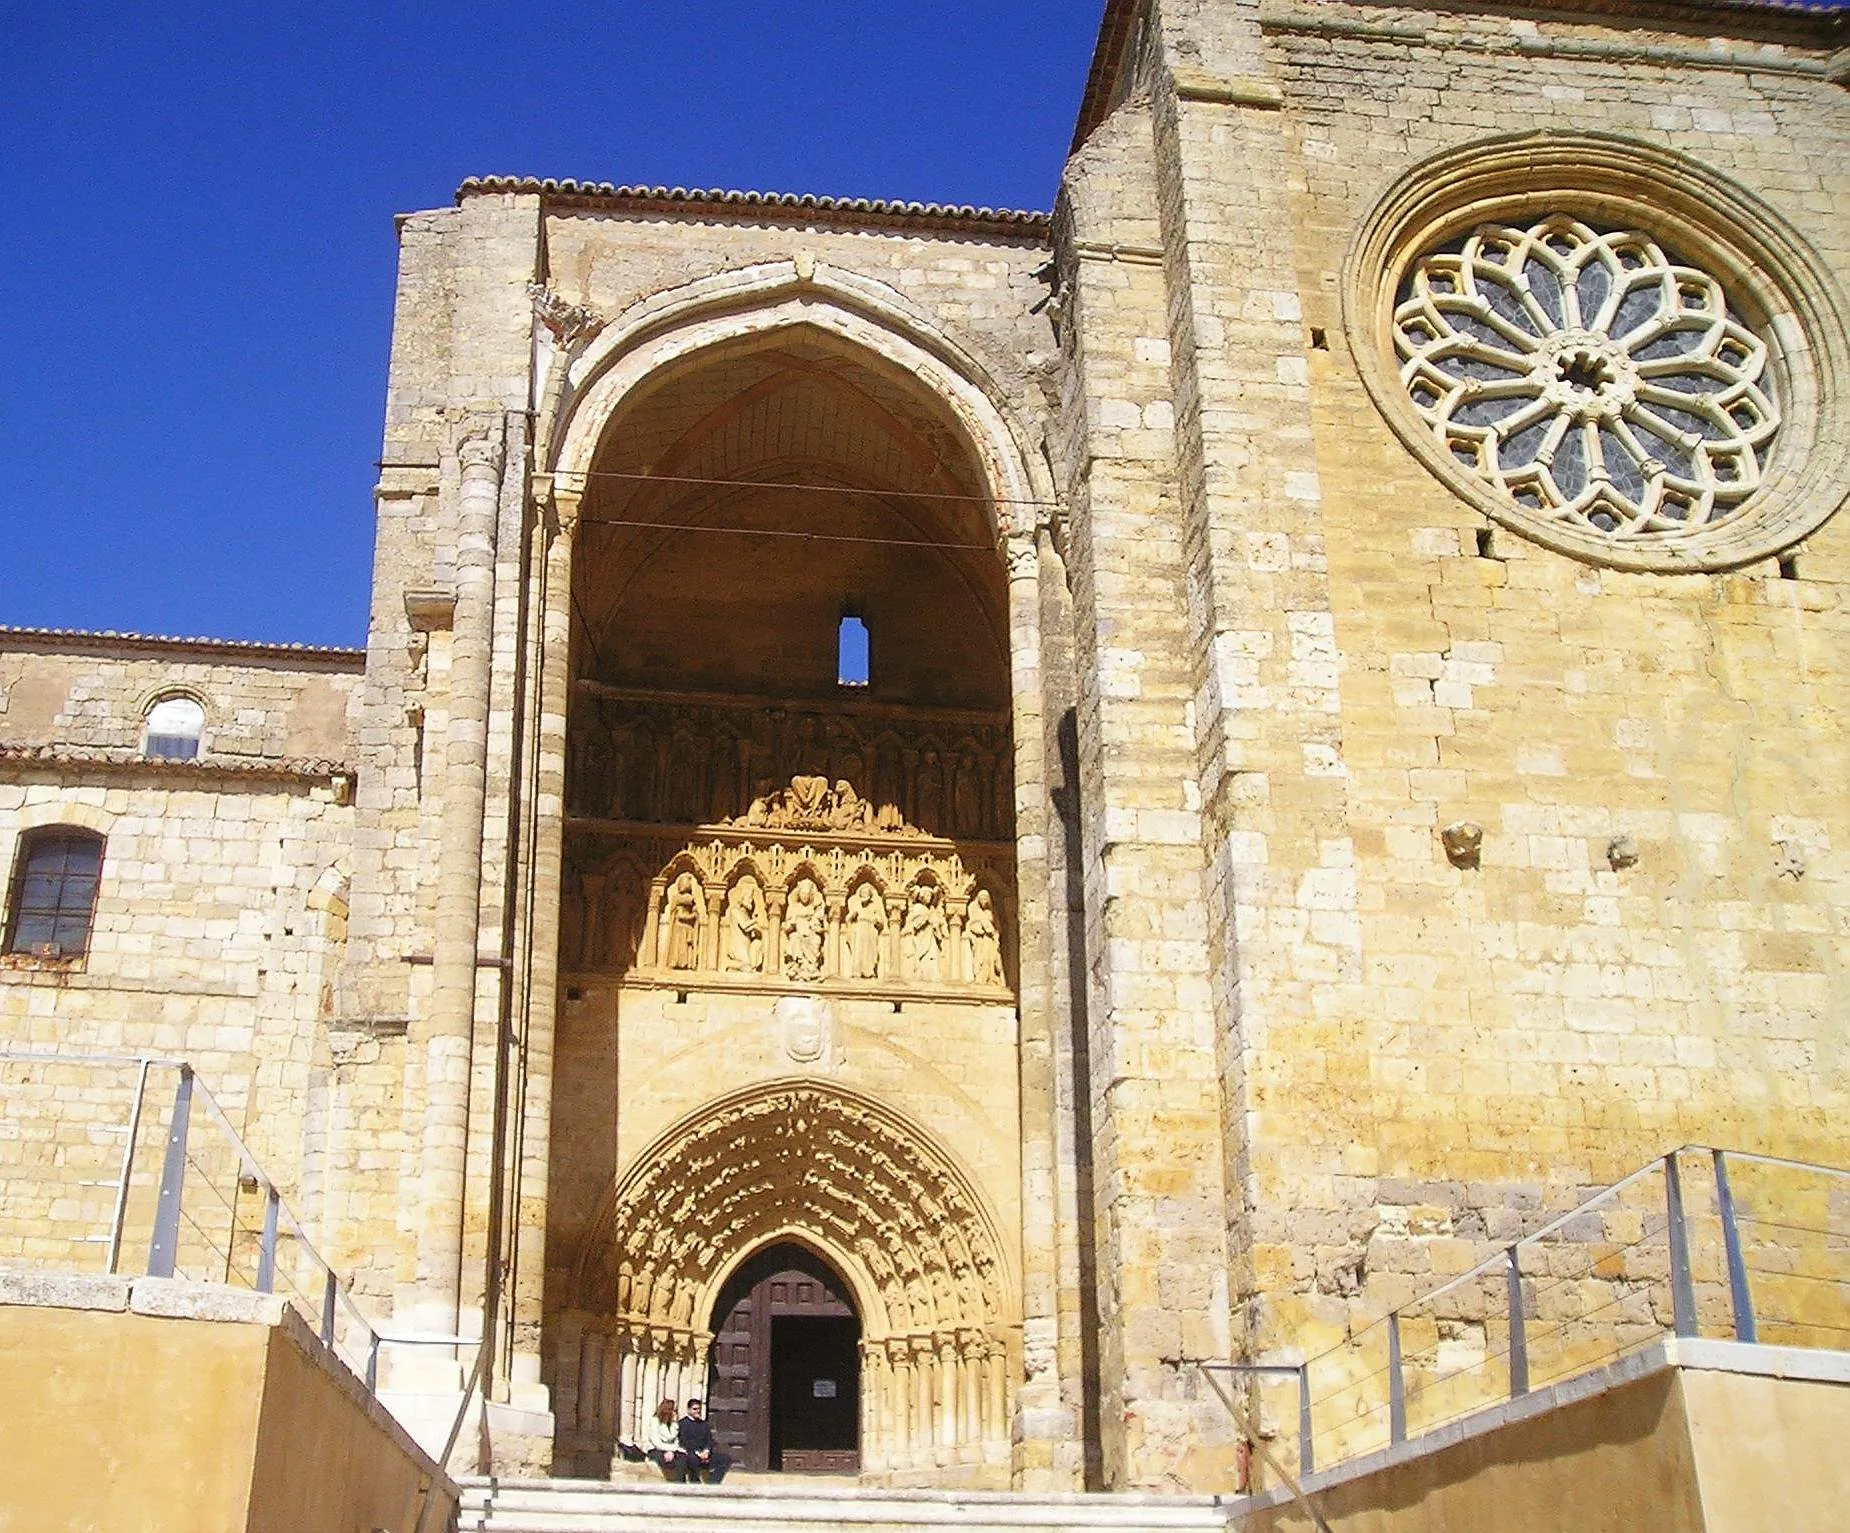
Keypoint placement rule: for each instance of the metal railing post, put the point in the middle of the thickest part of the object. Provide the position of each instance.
(266, 1250)
(163, 1250)
(1307, 1459)
(372, 1365)
(1519, 1340)
(329, 1291)
(1682, 1286)
(1740, 1296)
(120, 1216)
(1397, 1384)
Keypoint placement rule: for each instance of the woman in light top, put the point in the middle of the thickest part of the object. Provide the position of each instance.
(665, 1443)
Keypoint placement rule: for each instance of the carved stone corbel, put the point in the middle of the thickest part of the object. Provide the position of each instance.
(566, 322)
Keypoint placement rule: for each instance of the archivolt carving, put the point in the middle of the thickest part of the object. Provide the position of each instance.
(870, 1189)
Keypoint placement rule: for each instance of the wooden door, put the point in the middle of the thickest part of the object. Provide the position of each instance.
(784, 1382)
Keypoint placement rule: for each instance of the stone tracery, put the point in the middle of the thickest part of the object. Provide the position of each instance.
(1589, 376)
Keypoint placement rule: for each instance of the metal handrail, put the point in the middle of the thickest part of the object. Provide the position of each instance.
(1508, 1261)
(456, 1426)
(163, 1248)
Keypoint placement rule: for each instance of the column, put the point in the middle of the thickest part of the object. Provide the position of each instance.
(450, 1025)
(924, 1366)
(873, 1406)
(970, 1400)
(629, 1426)
(710, 938)
(554, 534)
(995, 1379)
(591, 1406)
(613, 1395)
(899, 1366)
(832, 965)
(651, 954)
(945, 1420)
(774, 901)
(895, 939)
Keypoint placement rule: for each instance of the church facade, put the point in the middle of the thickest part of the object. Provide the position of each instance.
(947, 813)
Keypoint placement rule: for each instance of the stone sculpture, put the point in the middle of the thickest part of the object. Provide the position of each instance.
(983, 941)
(866, 927)
(924, 934)
(745, 927)
(682, 920)
(805, 927)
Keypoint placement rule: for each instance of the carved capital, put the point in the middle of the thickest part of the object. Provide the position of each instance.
(1024, 560)
(478, 446)
(565, 506)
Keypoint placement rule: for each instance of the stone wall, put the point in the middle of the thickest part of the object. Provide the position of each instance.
(219, 918)
(1642, 953)
(91, 692)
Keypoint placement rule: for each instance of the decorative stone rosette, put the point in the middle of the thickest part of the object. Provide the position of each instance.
(1606, 346)
(1589, 376)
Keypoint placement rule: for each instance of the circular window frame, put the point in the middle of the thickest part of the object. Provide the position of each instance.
(1772, 278)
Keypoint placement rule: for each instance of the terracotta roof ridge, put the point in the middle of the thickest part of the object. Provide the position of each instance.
(130, 756)
(1024, 220)
(103, 637)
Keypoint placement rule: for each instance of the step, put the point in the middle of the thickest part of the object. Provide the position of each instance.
(814, 1505)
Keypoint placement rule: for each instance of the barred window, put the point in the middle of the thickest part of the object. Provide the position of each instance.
(54, 892)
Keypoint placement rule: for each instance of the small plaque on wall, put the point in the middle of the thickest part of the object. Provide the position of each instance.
(823, 1389)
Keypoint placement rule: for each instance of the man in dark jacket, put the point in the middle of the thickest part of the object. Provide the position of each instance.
(704, 1460)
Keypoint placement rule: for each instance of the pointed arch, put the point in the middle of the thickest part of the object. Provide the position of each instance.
(871, 1190)
(671, 327)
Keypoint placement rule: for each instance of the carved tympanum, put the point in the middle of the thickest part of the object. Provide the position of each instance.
(810, 804)
(638, 758)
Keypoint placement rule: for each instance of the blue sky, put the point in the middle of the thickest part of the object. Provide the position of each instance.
(198, 251)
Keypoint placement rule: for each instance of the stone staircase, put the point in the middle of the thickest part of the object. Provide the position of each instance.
(790, 1504)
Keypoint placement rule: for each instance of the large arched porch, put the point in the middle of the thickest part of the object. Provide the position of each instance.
(734, 471)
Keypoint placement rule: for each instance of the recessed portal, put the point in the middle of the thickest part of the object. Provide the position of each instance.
(784, 1386)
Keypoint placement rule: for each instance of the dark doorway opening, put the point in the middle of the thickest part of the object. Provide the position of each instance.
(784, 1386)
(815, 1391)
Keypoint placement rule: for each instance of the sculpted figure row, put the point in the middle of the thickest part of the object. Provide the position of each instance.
(933, 946)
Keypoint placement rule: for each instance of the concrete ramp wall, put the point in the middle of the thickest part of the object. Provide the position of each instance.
(169, 1407)
(1689, 1437)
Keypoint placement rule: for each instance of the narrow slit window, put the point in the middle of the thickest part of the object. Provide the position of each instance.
(851, 653)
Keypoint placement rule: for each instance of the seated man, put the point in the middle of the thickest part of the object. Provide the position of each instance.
(705, 1462)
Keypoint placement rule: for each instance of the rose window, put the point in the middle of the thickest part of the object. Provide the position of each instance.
(1589, 376)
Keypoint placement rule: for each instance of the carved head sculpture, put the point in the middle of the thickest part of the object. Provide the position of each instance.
(805, 1024)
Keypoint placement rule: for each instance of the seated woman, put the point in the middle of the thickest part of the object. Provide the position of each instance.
(665, 1444)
